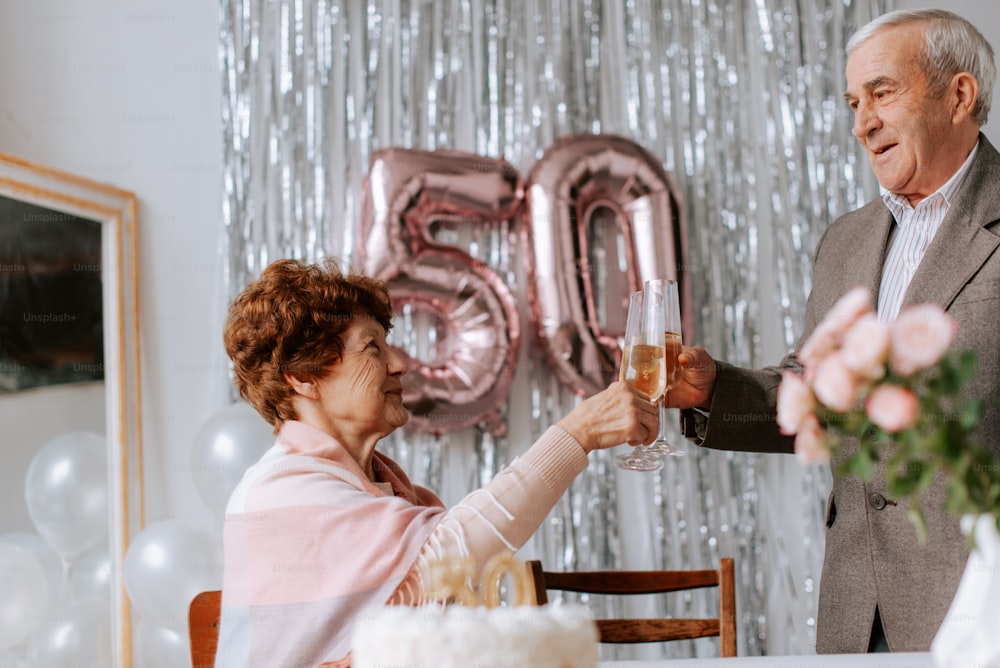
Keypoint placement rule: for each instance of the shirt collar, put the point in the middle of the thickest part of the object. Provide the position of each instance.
(899, 203)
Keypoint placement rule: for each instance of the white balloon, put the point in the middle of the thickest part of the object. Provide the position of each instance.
(166, 565)
(90, 574)
(51, 562)
(225, 446)
(160, 647)
(66, 489)
(23, 594)
(75, 634)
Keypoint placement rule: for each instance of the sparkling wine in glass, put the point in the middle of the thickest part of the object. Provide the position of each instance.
(667, 290)
(643, 366)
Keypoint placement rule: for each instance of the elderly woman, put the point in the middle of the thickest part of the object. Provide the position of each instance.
(324, 526)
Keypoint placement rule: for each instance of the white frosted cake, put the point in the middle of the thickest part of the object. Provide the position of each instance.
(455, 636)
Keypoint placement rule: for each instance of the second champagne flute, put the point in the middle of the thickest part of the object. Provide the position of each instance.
(667, 289)
(642, 366)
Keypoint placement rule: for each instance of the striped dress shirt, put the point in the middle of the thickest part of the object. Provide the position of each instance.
(915, 229)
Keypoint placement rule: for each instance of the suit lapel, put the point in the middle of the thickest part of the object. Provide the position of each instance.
(858, 262)
(962, 244)
(866, 267)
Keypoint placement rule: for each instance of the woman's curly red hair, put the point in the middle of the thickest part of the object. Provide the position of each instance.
(291, 321)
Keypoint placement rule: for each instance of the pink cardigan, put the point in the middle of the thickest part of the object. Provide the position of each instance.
(310, 542)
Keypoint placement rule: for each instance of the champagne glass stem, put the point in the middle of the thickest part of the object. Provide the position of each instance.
(662, 436)
(661, 446)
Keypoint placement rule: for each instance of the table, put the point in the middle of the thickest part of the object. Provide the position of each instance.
(880, 660)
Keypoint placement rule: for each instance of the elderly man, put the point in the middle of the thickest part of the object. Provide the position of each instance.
(920, 85)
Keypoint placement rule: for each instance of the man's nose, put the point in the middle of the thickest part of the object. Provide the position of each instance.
(865, 120)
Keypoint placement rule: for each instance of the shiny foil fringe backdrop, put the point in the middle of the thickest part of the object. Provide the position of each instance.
(741, 99)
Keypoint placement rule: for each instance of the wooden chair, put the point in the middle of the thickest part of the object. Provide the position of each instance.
(649, 582)
(203, 628)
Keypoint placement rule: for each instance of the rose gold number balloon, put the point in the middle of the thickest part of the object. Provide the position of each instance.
(469, 312)
(589, 189)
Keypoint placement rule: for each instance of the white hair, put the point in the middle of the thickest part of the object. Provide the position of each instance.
(951, 45)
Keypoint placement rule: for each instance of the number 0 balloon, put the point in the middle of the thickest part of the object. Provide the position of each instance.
(582, 182)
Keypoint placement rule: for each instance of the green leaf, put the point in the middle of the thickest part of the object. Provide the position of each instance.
(968, 364)
(969, 417)
(927, 476)
(957, 499)
(917, 519)
(904, 479)
(861, 465)
(949, 442)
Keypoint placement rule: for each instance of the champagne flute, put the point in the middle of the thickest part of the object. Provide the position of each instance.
(642, 365)
(667, 289)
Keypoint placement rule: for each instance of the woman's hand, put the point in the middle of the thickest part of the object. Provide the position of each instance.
(612, 417)
(697, 382)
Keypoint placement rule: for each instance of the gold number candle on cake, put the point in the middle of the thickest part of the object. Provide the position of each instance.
(499, 567)
(449, 582)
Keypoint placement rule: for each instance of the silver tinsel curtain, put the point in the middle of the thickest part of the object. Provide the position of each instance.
(742, 101)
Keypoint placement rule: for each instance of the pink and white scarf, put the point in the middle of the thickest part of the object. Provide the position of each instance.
(309, 544)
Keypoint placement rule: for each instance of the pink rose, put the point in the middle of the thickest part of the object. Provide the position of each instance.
(835, 386)
(850, 307)
(866, 347)
(820, 343)
(795, 401)
(810, 442)
(827, 335)
(892, 407)
(920, 336)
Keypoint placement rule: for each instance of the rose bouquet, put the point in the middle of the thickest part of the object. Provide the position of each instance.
(894, 391)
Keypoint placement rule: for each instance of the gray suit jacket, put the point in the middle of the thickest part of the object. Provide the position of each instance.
(873, 556)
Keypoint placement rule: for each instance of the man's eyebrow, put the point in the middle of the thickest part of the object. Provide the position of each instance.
(878, 81)
(871, 84)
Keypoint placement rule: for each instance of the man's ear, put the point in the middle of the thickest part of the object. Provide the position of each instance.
(305, 388)
(966, 89)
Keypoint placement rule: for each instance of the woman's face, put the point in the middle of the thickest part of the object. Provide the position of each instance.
(362, 394)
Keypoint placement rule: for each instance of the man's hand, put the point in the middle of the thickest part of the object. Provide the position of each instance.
(697, 383)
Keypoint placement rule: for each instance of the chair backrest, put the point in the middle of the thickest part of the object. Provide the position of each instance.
(203, 628)
(649, 582)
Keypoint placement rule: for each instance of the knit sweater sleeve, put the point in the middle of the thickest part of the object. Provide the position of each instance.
(503, 514)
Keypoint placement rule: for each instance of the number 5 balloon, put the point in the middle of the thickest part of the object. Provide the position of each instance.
(463, 376)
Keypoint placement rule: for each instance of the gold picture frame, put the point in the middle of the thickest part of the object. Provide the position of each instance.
(76, 197)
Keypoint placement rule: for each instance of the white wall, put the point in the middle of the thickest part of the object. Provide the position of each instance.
(128, 92)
